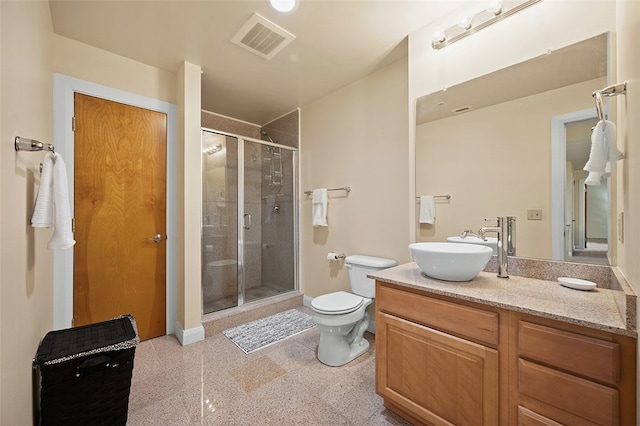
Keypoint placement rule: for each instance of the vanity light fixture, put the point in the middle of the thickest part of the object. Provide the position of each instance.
(210, 150)
(284, 6)
(467, 25)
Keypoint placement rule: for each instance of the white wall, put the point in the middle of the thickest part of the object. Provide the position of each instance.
(26, 265)
(357, 137)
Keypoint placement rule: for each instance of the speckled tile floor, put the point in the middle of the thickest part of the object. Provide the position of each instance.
(213, 382)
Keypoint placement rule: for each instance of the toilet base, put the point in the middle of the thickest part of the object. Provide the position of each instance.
(335, 351)
(338, 348)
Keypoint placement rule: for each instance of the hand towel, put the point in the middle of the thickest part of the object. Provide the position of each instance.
(599, 153)
(427, 209)
(319, 201)
(594, 178)
(43, 211)
(52, 203)
(62, 237)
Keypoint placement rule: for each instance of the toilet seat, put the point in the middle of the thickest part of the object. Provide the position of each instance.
(337, 303)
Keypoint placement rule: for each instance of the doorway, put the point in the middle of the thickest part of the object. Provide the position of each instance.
(249, 221)
(65, 88)
(120, 214)
(580, 214)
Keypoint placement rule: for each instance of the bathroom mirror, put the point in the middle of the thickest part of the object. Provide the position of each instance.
(487, 143)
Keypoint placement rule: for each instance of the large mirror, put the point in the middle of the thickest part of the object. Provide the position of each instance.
(487, 143)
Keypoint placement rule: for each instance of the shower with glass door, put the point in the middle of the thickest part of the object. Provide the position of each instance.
(249, 225)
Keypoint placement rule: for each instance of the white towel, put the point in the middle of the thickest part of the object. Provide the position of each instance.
(43, 211)
(603, 151)
(54, 211)
(319, 201)
(427, 209)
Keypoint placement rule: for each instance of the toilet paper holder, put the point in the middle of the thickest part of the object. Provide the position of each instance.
(335, 256)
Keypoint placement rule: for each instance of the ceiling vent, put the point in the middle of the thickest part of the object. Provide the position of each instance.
(262, 37)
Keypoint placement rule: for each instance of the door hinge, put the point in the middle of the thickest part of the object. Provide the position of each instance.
(73, 124)
(73, 322)
(73, 224)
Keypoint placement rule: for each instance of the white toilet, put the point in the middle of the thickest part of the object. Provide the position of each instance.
(342, 317)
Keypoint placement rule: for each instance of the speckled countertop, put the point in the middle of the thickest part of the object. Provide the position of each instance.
(611, 309)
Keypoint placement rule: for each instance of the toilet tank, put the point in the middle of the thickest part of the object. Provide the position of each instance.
(359, 266)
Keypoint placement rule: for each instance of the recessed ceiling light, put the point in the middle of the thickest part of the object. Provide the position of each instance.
(283, 5)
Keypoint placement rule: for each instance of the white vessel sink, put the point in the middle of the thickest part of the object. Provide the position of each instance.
(490, 241)
(451, 261)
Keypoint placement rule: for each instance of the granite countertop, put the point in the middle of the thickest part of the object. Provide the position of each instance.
(606, 309)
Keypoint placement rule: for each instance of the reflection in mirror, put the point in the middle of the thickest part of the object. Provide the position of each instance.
(487, 142)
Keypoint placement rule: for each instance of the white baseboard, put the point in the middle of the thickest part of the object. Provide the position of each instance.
(187, 337)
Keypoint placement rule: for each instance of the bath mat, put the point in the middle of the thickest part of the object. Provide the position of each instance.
(261, 333)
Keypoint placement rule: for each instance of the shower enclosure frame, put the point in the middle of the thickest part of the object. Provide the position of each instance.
(241, 272)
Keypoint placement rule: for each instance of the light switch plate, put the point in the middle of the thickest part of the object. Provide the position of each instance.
(534, 214)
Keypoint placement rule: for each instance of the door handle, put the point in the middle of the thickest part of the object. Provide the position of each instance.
(155, 239)
(247, 221)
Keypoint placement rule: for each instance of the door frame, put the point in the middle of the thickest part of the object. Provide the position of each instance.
(558, 176)
(64, 89)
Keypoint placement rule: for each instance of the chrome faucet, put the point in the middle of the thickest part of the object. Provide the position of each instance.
(469, 232)
(506, 231)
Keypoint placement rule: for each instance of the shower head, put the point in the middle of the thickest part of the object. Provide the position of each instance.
(266, 135)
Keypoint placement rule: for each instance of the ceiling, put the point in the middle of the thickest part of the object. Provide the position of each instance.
(336, 43)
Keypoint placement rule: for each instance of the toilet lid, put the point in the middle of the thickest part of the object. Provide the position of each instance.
(337, 303)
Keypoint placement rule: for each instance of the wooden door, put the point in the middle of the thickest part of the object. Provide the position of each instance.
(438, 378)
(119, 206)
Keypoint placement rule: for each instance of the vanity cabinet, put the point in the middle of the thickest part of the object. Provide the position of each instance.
(436, 362)
(440, 361)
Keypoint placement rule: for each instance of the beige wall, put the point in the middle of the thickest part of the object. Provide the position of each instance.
(26, 266)
(356, 137)
(495, 168)
(628, 28)
(89, 63)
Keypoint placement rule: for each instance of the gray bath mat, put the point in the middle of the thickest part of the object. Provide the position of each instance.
(261, 333)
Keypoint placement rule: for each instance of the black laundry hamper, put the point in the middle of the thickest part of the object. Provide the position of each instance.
(84, 373)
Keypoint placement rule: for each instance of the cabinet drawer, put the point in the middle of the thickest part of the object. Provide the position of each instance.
(465, 321)
(593, 358)
(585, 399)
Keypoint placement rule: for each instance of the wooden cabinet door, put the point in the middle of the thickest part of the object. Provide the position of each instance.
(438, 378)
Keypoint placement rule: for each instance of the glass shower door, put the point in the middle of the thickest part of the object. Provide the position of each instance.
(268, 243)
(248, 221)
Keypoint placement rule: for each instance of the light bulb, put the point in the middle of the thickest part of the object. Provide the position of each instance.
(438, 36)
(283, 5)
(465, 22)
(495, 7)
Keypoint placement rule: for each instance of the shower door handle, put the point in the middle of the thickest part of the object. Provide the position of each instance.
(247, 221)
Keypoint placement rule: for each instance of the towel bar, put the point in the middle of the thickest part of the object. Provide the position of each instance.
(344, 188)
(23, 144)
(448, 197)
